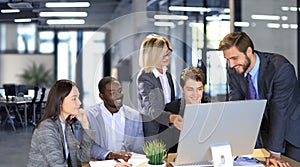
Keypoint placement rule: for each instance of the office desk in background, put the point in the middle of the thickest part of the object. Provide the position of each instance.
(259, 154)
(15, 105)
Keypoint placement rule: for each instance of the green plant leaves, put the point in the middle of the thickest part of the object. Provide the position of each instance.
(37, 75)
(155, 151)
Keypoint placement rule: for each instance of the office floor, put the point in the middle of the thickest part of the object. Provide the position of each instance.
(14, 146)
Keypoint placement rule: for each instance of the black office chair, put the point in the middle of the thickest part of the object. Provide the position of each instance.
(13, 110)
(31, 106)
(40, 105)
(10, 91)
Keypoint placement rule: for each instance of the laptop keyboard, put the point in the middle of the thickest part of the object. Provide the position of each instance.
(195, 164)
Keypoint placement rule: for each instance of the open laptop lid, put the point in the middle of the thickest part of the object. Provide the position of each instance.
(236, 123)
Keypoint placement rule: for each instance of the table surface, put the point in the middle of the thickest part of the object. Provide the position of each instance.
(259, 154)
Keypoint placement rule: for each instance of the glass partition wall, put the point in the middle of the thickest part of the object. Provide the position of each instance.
(272, 25)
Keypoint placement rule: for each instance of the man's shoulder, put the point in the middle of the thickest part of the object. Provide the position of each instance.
(94, 109)
(273, 58)
(131, 112)
(173, 106)
(130, 109)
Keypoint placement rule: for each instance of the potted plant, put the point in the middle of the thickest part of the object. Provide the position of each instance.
(155, 151)
(37, 75)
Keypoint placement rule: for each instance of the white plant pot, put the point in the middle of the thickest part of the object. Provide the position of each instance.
(162, 165)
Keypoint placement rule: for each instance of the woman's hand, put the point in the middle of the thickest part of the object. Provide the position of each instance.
(178, 122)
(82, 117)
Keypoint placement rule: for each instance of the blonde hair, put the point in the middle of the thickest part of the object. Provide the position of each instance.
(151, 51)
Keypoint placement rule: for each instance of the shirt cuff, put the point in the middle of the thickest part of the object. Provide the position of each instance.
(273, 152)
(106, 154)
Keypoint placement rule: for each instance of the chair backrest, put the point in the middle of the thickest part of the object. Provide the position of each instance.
(42, 95)
(10, 89)
(36, 90)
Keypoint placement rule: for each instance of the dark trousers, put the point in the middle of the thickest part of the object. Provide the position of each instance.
(292, 151)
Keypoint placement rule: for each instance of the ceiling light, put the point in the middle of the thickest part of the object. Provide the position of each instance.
(22, 20)
(189, 9)
(164, 24)
(241, 24)
(273, 25)
(224, 16)
(265, 17)
(284, 18)
(284, 8)
(285, 26)
(63, 14)
(293, 9)
(213, 18)
(192, 24)
(293, 26)
(20, 5)
(65, 21)
(10, 11)
(171, 17)
(67, 4)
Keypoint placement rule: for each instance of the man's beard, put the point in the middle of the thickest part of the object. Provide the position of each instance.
(244, 66)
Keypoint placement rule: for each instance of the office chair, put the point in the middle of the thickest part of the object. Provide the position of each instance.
(31, 106)
(12, 108)
(40, 105)
(10, 90)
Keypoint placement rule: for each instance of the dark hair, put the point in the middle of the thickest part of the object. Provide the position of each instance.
(57, 94)
(238, 39)
(104, 81)
(193, 73)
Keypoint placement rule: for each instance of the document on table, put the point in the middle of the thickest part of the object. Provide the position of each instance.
(137, 160)
(247, 161)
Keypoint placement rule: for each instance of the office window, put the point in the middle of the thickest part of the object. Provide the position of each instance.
(92, 65)
(215, 64)
(46, 44)
(216, 30)
(67, 55)
(26, 38)
(217, 80)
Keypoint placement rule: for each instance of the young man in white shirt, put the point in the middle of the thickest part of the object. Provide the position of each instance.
(119, 128)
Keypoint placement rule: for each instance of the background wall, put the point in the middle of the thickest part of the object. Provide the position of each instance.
(12, 65)
(279, 40)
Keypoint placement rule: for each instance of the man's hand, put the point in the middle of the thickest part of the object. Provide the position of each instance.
(276, 160)
(123, 164)
(120, 155)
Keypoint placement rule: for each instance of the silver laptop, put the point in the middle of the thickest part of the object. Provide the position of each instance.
(235, 123)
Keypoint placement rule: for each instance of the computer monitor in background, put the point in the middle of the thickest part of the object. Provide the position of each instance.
(31, 92)
(234, 123)
(22, 89)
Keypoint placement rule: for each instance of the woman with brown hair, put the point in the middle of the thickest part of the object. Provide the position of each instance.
(53, 143)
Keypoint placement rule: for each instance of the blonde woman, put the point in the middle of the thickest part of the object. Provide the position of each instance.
(155, 84)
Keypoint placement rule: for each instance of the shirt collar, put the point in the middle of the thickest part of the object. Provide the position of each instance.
(157, 73)
(254, 70)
